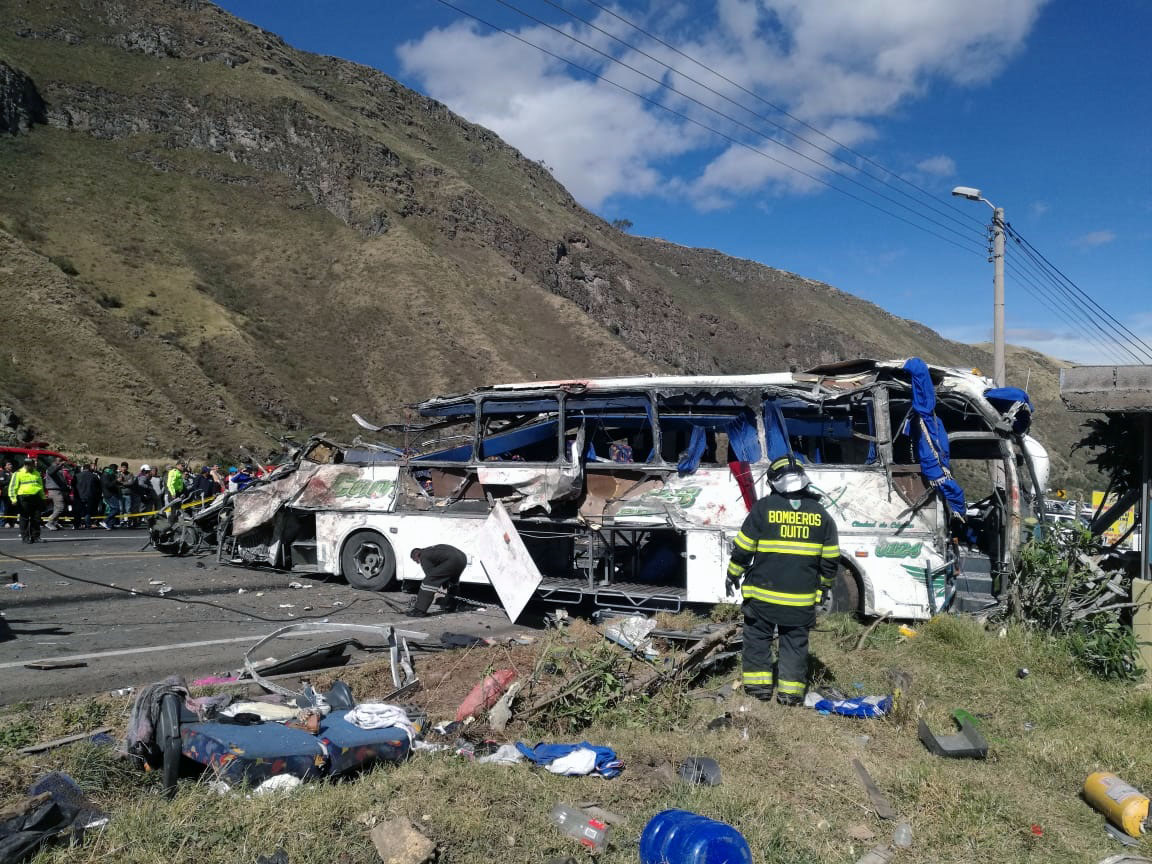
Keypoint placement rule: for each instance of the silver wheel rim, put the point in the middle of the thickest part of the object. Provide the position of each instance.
(370, 560)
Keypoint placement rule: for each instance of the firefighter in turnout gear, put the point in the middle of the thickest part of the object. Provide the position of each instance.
(787, 554)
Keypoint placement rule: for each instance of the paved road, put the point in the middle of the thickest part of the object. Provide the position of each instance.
(131, 640)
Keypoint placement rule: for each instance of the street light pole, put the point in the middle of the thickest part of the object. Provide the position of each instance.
(998, 295)
(997, 259)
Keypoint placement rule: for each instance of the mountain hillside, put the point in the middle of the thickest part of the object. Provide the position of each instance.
(207, 237)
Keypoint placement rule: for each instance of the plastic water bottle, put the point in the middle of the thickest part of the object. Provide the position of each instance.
(590, 832)
(681, 837)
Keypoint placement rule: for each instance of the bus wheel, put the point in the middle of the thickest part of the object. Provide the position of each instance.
(845, 593)
(368, 562)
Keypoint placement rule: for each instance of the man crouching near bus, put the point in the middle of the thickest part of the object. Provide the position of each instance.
(787, 553)
(442, 565)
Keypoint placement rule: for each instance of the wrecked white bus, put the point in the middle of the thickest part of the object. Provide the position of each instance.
(627, 492)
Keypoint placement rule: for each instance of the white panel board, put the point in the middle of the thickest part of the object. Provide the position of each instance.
(505, 559)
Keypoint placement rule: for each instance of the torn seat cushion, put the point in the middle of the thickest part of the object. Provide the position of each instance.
(252, 754)
(350, 747)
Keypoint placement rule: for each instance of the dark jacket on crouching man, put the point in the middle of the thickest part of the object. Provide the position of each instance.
(442, 565)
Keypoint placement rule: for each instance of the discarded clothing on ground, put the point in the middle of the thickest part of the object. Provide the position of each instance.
(601, 761)
(506, 754)
(55, 806)
(145, 712)
(864, 706)
(140, 739)
(378, 715)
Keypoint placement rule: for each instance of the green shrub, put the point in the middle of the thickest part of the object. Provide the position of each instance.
(65, 264)
(1057, 591)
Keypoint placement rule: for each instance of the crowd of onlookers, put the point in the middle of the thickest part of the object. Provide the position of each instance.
(109, 497)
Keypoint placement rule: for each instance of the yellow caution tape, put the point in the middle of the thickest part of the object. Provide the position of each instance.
(197, 503)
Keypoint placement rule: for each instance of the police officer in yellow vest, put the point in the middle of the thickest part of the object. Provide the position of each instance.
(26, 489)
(787, 554)
(174, 482)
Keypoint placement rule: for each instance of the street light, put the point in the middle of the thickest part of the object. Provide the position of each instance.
(970, 194)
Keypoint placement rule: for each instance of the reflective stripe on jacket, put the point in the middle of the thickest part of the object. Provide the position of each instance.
(25, 482)
(787, 551)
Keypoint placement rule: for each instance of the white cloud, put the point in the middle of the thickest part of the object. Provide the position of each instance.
(1095, 238)
(597, 139)
(1039, 208)
(840, 64)
(937, 166)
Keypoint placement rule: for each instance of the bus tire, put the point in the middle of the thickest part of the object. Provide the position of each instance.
(845, 595)
(368, 561)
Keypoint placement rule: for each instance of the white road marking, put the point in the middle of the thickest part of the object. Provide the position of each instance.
(123, 651)
(120, 652)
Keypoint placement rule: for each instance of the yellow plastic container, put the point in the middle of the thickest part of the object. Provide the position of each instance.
(907, 632)
(1125, 806)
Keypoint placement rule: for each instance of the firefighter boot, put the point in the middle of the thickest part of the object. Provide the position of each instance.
(423, 603)
(448, 602)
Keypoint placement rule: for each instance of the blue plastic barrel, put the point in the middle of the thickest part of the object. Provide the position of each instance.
(680, 837)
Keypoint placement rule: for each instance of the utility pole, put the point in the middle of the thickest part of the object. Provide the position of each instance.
(998, 296)
(997, 260)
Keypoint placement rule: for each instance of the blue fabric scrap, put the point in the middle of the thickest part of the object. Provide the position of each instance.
(608, 765)
(864, 707)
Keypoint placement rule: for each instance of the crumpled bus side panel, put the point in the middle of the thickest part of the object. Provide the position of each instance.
(317, 487)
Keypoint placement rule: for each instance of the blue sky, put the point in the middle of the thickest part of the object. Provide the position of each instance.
(1046, 105)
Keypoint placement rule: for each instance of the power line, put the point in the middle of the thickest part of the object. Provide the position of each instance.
(1100, 322)
(947, 212)
(704, 126)
(1033, 252)
(1061, 298)
(728, 117)
(772, 105)
(1027, 282)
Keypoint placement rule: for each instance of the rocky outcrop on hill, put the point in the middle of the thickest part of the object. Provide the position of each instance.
(20, 104)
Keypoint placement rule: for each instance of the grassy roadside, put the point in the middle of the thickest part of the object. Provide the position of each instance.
(788, 786)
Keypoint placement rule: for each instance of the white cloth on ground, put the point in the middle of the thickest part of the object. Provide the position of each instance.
(279, 783)
(578, 762)
(379, 715)
(507, 754)
(264, 710)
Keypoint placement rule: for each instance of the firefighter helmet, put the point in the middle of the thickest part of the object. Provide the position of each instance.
(788, 476)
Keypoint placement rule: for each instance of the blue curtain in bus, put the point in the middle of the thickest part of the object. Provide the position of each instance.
(776, 431)
(697, 444)
(931, 438)
(743, 442)
(1015, 404)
